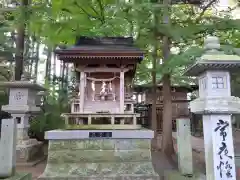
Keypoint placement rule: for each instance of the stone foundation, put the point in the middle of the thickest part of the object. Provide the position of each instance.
(29, 152)
(176, 175)
(92, 159)
(22, 134)
(22, 176)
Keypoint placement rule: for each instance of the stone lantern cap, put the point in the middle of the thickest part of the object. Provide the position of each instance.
(24, 83)
(213, 59)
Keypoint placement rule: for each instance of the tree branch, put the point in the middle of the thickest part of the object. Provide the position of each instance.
(94, 10)
(6, 76)
(232, 9)
(204, 10)
(84, 11)
(101, 10)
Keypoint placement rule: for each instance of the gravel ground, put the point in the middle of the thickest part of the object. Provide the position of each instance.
(35, 170)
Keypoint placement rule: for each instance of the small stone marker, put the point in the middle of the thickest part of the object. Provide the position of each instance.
(216, 105)
(8, 148)
(184, 146)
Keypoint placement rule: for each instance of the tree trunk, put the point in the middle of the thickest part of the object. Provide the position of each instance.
(36, 62)
(54, 69)
(154, 72)
(54, 63)
(66, 75)
(77, 82)
(167, 143)
(20, 41)
(31, 64)
(48, 65)
(13, 39)
(63, 75)
(154, 95)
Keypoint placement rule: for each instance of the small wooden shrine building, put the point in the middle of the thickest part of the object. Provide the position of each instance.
(105, 66)
(180, 101)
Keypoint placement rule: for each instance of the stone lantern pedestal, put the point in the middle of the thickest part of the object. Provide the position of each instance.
(22, 106)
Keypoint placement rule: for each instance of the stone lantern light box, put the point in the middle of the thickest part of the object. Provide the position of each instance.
(216, 105)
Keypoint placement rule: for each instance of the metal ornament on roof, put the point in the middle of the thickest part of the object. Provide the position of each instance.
(213, 59)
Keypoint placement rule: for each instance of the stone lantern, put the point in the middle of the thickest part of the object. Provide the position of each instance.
(216, 105)
(23, 101)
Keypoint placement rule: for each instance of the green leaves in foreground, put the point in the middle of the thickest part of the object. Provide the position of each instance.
(181, 60)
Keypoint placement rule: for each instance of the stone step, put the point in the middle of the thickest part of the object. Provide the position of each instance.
(100, 144)
(78, 156)
(126, 170)
(106, 177)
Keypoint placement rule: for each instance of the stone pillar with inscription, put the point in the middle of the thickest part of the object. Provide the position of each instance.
(184, 146)
(23, 98)
(8, 152)
(216, 105)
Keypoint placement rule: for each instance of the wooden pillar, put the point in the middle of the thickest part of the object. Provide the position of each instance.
(112, 120)
(89, 119)
(134, 120)
(143, 97)
(121, 92)
(82, 93)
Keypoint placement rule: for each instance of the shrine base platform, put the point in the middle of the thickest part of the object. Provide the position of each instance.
(119, 155)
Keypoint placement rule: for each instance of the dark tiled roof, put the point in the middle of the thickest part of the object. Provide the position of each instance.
(109, 44)
(93, 41)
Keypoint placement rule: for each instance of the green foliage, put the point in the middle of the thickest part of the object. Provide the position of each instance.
(55, 104)
(59, 22)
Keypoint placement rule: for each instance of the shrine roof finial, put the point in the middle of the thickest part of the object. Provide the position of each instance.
(213, 59)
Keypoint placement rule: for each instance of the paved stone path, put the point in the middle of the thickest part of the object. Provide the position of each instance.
(35, 170)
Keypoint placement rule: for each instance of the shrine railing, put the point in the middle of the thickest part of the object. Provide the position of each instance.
(101, 118)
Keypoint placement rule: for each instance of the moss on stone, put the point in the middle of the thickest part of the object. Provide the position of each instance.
(20, 176)
(176, 175)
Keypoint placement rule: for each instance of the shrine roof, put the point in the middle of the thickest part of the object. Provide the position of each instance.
(213, 59)
(101, 47)
(145, 87)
